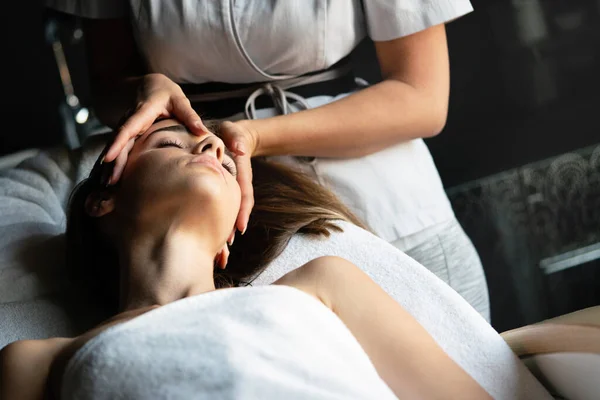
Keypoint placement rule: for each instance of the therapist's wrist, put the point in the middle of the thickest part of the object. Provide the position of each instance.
(270, 136)
(252, 131)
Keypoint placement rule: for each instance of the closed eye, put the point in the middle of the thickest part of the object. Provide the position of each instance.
(229, 166)
(227, 163)
(171, 143)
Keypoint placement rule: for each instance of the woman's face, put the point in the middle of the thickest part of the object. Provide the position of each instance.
(170, 171)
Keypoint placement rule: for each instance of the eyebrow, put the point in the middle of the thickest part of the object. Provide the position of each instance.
(179, 128)
(173, 128)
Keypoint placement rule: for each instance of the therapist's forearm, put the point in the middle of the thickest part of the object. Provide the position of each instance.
(362, 123)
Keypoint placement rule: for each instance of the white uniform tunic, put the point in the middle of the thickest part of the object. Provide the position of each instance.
(397, 192)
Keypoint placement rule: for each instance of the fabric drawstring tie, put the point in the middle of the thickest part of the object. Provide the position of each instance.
(279, 97)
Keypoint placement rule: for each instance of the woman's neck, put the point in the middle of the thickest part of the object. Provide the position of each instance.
(165, 266)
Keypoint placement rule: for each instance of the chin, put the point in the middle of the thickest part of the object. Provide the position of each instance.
(198, 193)
(207, 186)
(206, 192)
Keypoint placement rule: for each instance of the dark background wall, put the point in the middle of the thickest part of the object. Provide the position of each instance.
(30, 88)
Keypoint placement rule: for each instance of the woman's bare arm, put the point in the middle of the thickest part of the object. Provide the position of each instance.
(404, 354)
(25, 367)
(411, 102)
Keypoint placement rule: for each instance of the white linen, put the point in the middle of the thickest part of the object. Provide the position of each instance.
(460, 330)
(262, 343)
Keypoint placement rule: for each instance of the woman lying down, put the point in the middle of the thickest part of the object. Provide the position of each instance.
(153, 248)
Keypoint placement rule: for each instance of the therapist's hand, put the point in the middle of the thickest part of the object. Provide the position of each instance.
(157, 97)
(242, 141)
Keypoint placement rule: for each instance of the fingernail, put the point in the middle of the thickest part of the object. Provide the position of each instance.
(244, 231)
(102, 160)
(239, 148)
(231, 241)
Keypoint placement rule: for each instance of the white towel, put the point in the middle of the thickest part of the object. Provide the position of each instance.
(454, 324)
(269, 342)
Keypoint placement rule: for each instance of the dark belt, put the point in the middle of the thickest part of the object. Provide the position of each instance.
(216, 100)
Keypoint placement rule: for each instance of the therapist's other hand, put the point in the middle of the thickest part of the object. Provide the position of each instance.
(157, 97)
(242, 141)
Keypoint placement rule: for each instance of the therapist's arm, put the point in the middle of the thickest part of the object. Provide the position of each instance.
(406, 357)
(411, 102)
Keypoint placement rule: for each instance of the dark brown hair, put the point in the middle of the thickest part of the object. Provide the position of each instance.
(286, 202)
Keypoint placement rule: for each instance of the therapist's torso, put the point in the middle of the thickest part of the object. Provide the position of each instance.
(200, 41)
(397, 192)
(195, 41)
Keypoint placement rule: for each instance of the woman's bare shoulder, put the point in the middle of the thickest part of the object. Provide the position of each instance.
(25, 365)
(320, 277)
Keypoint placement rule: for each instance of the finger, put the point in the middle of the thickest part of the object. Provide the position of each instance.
(137, 124)
(218, 259)
(224, 258)
(232, 138)
(238, 147)
(121, 162)
(182, 109)
(231, 238)
(244, 179)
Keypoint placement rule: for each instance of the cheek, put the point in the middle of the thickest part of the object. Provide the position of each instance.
(235, 193)
(144, 176)
(156, 180)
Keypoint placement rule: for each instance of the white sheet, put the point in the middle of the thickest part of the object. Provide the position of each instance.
(453, 323)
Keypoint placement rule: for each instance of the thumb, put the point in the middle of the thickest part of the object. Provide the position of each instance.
(233, 138)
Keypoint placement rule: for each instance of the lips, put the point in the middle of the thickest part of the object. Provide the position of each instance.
(208, 161)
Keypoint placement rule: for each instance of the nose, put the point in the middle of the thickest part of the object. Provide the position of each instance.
(212, 145)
